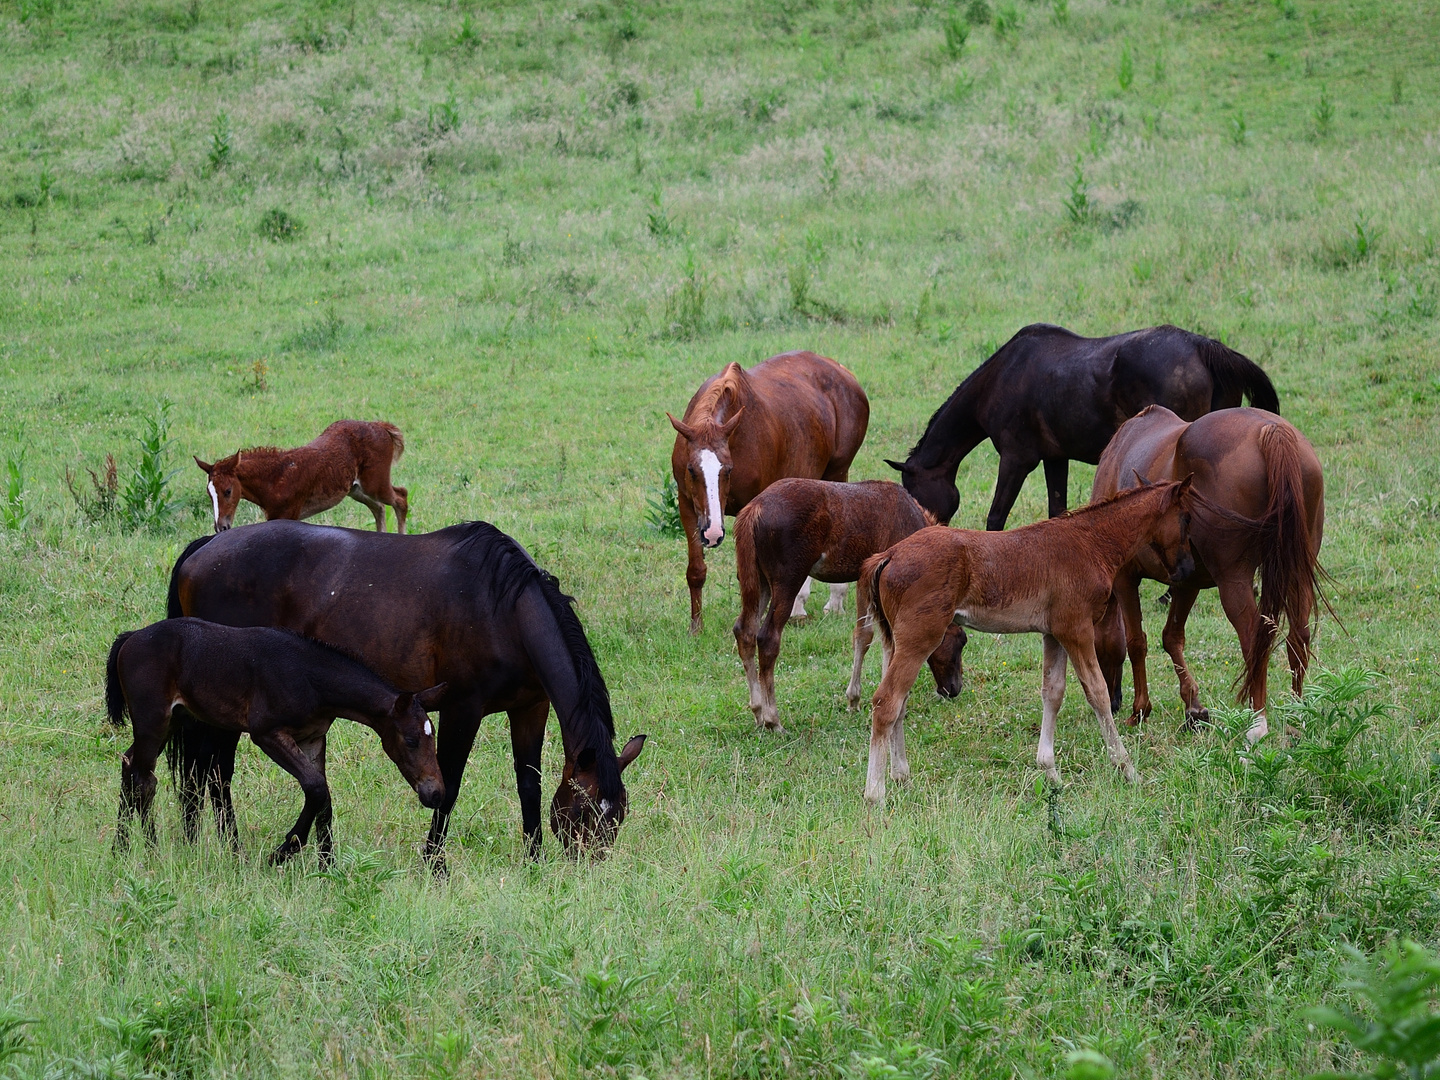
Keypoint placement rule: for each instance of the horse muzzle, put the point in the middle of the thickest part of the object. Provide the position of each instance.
(223, 525)
(431, 793)
(1183, 569)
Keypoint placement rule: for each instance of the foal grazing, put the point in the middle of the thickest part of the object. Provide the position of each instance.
(798, 529)
(796, 414)
(283, 689)
(1052, 578)
(1259, 505)
(350, 457)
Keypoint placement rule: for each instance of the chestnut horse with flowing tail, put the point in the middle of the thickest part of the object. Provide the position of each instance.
(1052, 578)
(281, 689)
(466, 606)
(1049, 395)
(798, 529)
(796, 414)
(1259, 505)
(350, 457)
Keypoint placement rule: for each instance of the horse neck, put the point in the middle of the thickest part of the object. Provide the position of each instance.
(955, 429)
(1116, 530)
(353, 691)
(259, 465)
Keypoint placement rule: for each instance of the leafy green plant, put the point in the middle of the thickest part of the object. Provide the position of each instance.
(1125, 73)
(1397, 87)
(1060, 12)
(1324, 113)
(1237, 128)
(1086, 1064)
(357, 878)
(661, 226)
(218, 153)
(1007, 23)
(1077, 203)
(181, 1032)
(685, 304)
(977, 12)
(278, 224)
(663, 515)
(445, 115)
(13, 1036)
(601, 1009)
(147, 499)
(466, 37)
(957, 32)
(829, 171)
(1399, 1028)
(13, 511)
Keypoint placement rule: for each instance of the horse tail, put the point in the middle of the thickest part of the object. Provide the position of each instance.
(870, 574)
(747, 560)
(1289, 563)
(397, 439)
(172, 597)
(115, 705)
(1233, 374)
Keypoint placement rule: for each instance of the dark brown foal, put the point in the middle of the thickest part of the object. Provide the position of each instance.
(350, 457)
(796, 530)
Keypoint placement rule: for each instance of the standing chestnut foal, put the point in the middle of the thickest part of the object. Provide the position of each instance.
(1052, 578)
(351, 457)
(796, 414)
(799, 529)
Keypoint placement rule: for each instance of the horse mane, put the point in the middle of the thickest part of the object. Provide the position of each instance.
(511, 571)
(986, 366)
(712, 398)
(266, 457)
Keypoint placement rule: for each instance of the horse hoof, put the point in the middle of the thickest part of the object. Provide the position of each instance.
(286, 851)
(875, 796)
(798, 620)
(1195, 717)
(1127, 770)
(696, 625)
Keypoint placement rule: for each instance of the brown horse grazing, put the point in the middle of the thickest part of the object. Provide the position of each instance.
(281, 688)
(796, 414)
(1052, 578)
(798, 529)
(1260, 504)
(351, 457)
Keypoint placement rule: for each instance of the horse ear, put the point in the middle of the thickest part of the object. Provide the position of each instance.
(632, 750)
(730, 425)
(684, 429)
(204, 464)
(1185, 486)
(898, 466)
(1139, 479)
(430, 699)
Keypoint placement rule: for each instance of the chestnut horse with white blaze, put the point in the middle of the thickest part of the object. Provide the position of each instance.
(1259, 506)
(350, 457)
(798, 529)
(1052, 578)
(796, 414)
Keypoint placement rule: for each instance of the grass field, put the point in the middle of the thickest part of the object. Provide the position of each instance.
(522, 232)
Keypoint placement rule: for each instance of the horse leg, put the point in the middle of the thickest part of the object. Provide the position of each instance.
(1110, 649)
(377, 507)
(887, 710)
(455, 737)
(1081, 650)
(527, 739)
(137, 772)
(325, 819)
(1013, 471)
(768, 715)
(280, 747)
(1057, 484)
(1182, 599)
(801, 598)
(218, 782)
(1237, 597)
(753, 605)
(1137, 645)
(836, 604)
(863, 636)
(400, 503)
(1052, 695)
(695, 564)
(1297, 652)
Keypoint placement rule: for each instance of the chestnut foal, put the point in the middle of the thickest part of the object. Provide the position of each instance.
(1052, 578)
(799, 529)
(350, 457)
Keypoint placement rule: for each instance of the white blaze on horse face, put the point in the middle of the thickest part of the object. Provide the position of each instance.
(710, 467)
(428, 729)
(214, 500)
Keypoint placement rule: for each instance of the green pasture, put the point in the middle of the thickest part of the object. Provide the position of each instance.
(521, 232)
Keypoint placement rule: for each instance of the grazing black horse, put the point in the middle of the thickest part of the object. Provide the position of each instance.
(465, 605)
(1049, 395)
(283, 690)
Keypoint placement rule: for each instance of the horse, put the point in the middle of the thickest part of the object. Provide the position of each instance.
(350, 457)
(281, 689)
(1049, 395)
(1260, 505)
(465, 605)
(1053, 578)
(796, 414)
(798, 529)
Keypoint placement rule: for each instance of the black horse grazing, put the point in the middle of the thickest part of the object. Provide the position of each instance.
(283, 690)
(1049, 395)
(465, 605)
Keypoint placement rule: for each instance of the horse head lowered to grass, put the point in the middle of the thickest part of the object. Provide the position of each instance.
(464, 605)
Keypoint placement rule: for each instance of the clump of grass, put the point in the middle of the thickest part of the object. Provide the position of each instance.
(1399, 1028)
(445, 115)
(466, 38)
(957, 32)
(1324, 113)
(321, 335)
(685, 304)
(147, 500)
(13, 1036)
(103, 502)
(1060, 12)
(1125, 73)
(280, 225)
(1356, 246)
(218, 153)
(762, 107)
(1007, 24)
(13, 511)
(829, 171)
(663, 509)
(1397, 87)
(1078, 205)
(661, 225)
(977, 12)
(1237, 128)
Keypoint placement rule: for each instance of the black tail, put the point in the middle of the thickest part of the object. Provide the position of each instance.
(875, 606)
(115, 696)
(172, 598)
(1235, 374)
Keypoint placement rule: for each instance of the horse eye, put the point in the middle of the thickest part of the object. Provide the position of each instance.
(227, 492)
(412, 742)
